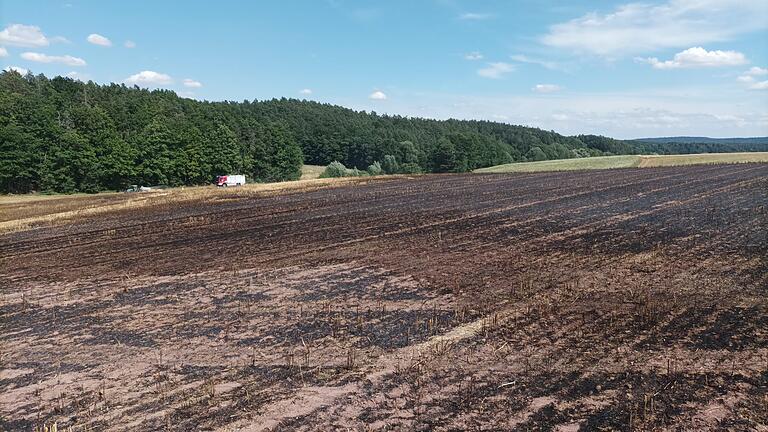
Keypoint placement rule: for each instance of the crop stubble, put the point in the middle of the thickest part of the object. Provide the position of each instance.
(632, 298)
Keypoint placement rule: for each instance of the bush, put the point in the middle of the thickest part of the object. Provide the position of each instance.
(535, 154)
(334, 169)
(390, 165)
(337, 169)
(581, 152)
(410, 168)
(375, 169)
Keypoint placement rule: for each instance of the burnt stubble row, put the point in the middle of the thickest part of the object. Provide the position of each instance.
(630, 299)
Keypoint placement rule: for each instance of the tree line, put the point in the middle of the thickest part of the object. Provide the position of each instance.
(62, 135)
(678, 147)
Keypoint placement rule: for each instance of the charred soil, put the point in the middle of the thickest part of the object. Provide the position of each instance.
(628, 299)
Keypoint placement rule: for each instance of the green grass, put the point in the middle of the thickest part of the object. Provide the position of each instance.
(606, 162)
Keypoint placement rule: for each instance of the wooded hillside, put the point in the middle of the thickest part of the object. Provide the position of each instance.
(64, 135)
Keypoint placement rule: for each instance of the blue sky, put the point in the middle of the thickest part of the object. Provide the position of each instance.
(623, 69)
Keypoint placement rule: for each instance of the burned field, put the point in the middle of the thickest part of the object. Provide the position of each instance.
(607, 300)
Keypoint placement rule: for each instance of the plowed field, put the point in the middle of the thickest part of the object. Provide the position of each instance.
(631, 299)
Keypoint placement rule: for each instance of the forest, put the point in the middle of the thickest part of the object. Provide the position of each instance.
(63, 135)
(685, 145)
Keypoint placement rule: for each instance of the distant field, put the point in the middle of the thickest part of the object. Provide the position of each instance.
(309, 172)
(706, 158)
(606, 162)
(603, 162)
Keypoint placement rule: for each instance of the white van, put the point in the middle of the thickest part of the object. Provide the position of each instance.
(230, 180)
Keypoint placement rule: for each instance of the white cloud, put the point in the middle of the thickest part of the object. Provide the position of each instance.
(129, 44)
(496, 70)
(3, 52)
(473, 16)
(148, 79)
(77, 76)
(543, 63)
(186, 94)
(305, 91)
(98, 39)
(378, 95)
(697, 57)
(20, 70)
(678, 109)
(45, 58)
(749, 80)
(59, 39)
(474, 55)
(188, 82)
(756, 71)
(23, 36)
(546, 88)
(635, 28)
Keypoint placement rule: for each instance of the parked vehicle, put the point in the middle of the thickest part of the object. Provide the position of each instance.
(230, 180)
(137, 188)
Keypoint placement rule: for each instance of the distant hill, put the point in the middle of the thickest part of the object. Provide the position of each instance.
(705, 140)
(62, 135)
(690, 145)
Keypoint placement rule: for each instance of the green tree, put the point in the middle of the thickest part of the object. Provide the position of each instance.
(154, 155)
(17, 164)
(274, 154)
(116, 164)
(68, 136)
(444, 157)
(70, 165)
(374, 169)
(191, 165)
(535, 154)
(390, 165)
(223, 151)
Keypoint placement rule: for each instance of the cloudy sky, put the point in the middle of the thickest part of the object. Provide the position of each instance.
(656, 68)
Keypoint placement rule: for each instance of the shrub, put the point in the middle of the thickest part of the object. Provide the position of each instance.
(375, 169)
(334, 169)
(390, 165)
(337, 169)
(581, 152)
(535, 154)
(410, 168)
